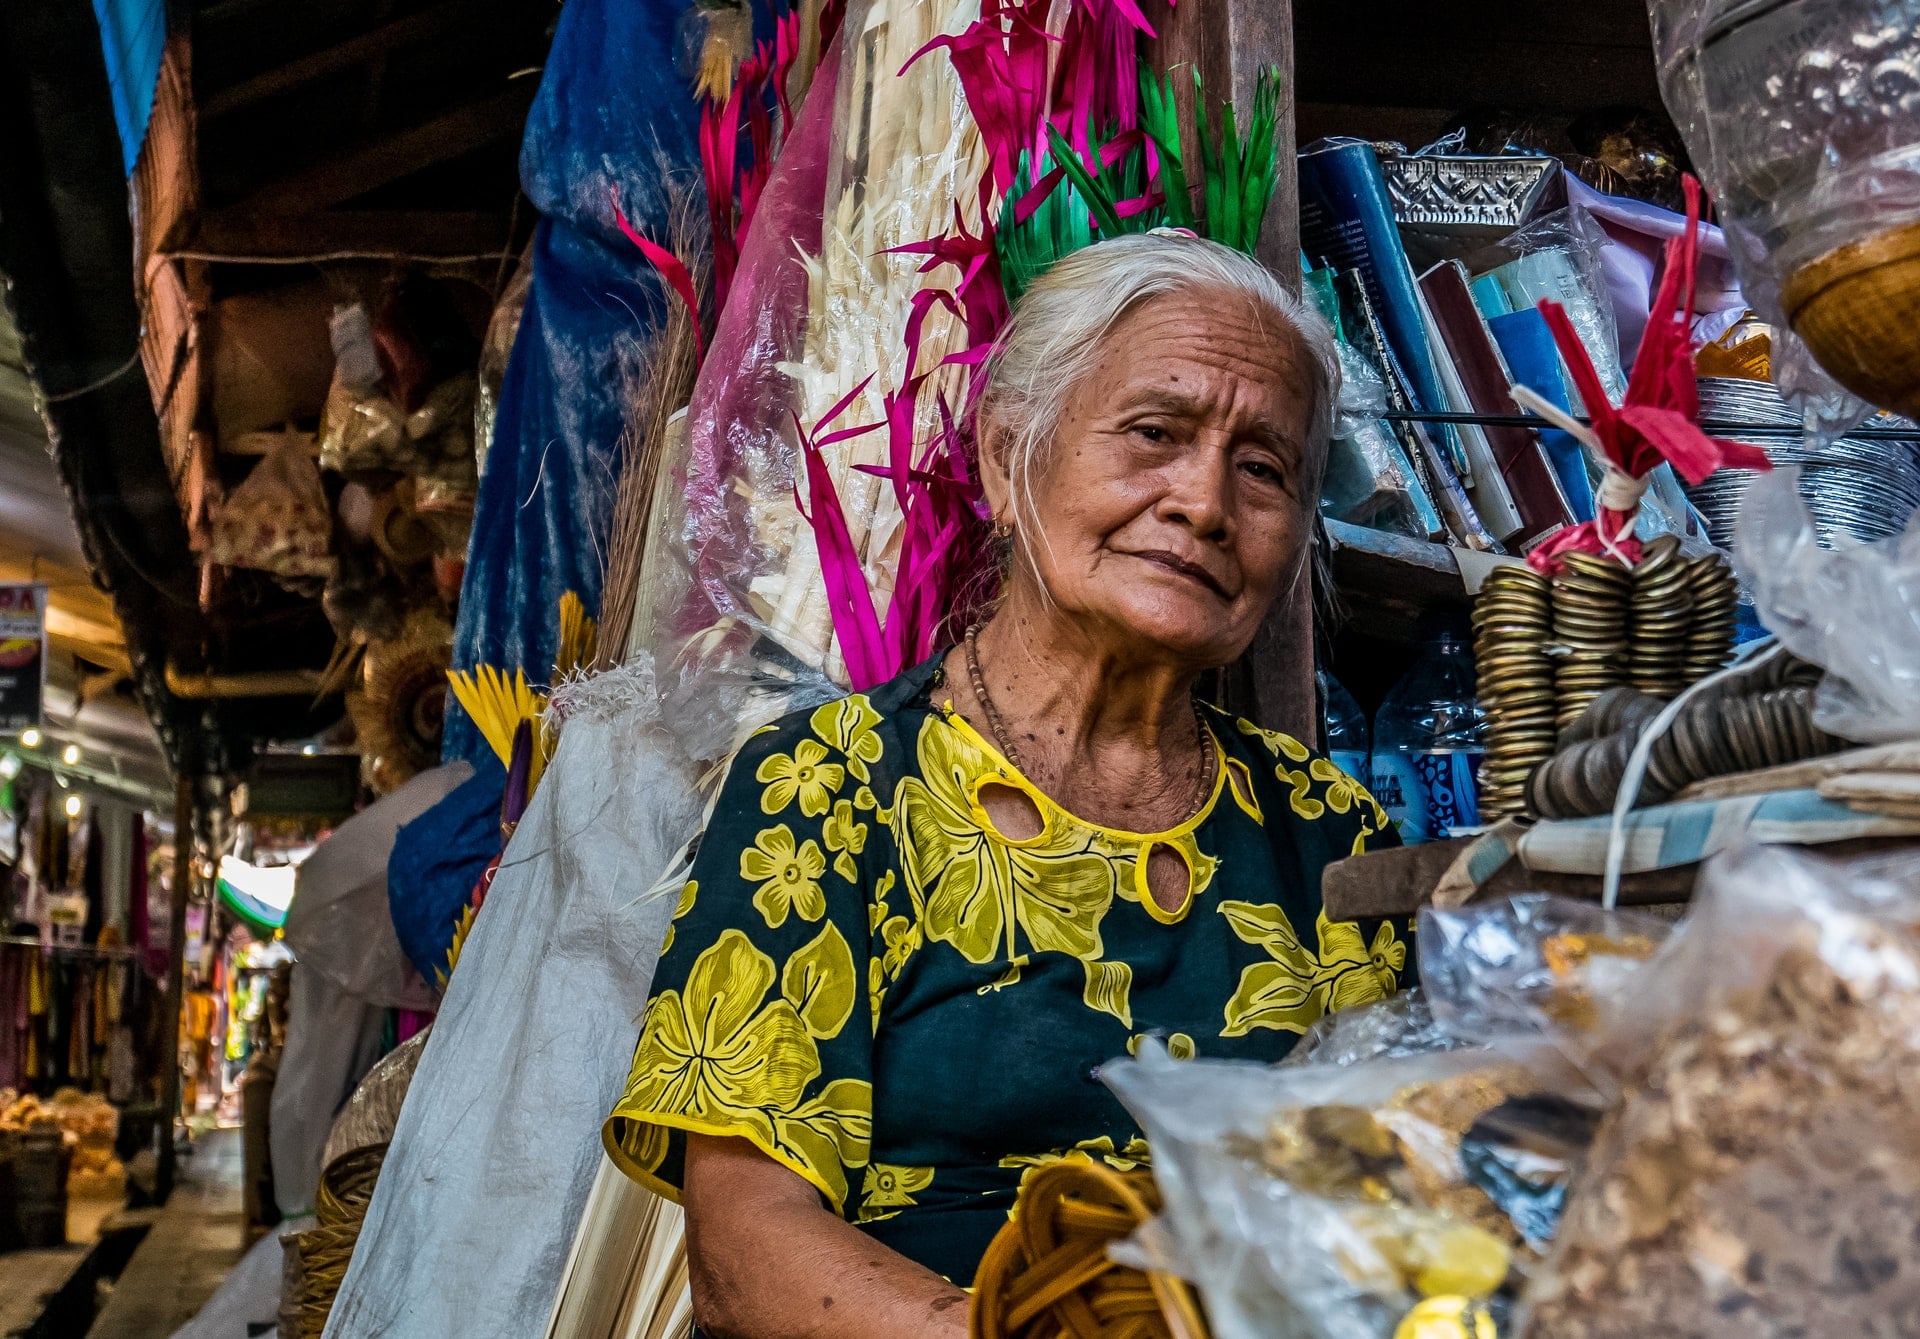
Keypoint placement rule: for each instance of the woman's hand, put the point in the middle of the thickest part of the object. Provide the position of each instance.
(768, 1260)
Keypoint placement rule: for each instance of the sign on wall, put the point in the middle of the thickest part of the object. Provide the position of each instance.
(23, 655)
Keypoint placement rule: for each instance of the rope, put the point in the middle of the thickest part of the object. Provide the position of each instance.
(93, 386)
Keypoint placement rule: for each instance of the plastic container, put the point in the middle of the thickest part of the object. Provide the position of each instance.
(1428, 738)
(1349, 737)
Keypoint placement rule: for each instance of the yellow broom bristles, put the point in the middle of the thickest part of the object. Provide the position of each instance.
(498, 705)
(579, 638)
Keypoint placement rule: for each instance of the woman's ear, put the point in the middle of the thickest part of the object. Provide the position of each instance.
(993, 443)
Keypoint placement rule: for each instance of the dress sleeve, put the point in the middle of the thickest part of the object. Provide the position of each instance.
(759, 1026)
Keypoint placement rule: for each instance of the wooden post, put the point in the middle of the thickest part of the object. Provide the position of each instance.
(183, 819)
(1230, 42)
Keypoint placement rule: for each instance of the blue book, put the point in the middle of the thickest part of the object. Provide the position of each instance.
(1527, 345)
(1346, 221)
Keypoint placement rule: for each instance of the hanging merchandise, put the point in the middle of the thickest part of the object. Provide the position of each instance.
(400, 706)
(1801, 118)
(278, 519)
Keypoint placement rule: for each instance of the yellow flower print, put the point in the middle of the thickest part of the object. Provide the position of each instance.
(1134, 1154)
(976, 892)
(1295, 989)
(1364, 972)
(687, 894)
(901, 937)
(722, 1057)
(1179, 1046)
(889, 1189)
(1302, 797)
(876, 990)
(807, 774)
(1010, 977)
(1342, 791)
(819, 983)
(791, 876)
(877, 908)
(848, 726)
(1277, 743)
(848, 837)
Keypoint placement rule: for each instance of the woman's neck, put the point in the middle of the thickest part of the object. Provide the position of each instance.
(1108, 734)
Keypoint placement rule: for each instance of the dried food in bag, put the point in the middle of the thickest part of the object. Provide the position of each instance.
(1761, 1176)
(1336, 1201)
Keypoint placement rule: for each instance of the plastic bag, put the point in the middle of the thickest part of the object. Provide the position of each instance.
(1762, 1176)
(1536, 963)
(1557, 256)
(1334, 1201)
(277, 520)
(1401, 1024)
(1802, 120)
(498, 1142)
(1854, 611)
(1368, 480)
(819, 306)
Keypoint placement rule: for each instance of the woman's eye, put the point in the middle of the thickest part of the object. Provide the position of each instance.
(1260, 469)
(1153, 432)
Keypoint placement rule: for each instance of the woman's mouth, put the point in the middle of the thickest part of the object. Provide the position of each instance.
(1181, 567)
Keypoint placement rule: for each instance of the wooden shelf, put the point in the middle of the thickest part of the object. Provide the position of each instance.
(1387, 581)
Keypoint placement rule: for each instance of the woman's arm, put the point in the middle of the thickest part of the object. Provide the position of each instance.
(769, 1261)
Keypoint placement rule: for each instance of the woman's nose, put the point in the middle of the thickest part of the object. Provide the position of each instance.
(1200, 492)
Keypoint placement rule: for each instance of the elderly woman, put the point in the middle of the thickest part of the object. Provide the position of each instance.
(921, 917)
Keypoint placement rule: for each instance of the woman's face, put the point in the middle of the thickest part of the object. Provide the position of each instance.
(1175, 502)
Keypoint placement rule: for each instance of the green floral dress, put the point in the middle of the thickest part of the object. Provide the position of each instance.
(908, 1009)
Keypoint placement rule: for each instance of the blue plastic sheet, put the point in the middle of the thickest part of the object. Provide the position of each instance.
(611, 119)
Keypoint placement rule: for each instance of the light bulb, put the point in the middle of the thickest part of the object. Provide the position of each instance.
(10, 766)
(74, 804)
(30, 738)
(70, 755)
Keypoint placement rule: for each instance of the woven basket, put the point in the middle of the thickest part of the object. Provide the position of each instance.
(1047, 1275)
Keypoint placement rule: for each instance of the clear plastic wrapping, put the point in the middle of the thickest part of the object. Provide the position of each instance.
(1557, 256)
(1854, 611)
(1368, 480)
(1333, 1201)
(819, 324)
(1804, 121)
(1761, 1177)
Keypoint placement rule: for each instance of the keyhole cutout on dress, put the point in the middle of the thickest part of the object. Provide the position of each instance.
(1014, 814)
(1169, 881)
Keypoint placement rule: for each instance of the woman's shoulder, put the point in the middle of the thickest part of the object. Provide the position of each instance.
(1300, 778)
(855, 732)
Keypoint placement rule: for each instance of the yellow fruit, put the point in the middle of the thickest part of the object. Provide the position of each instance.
(1446, 1318)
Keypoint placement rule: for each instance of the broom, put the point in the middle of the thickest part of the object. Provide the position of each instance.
(655, 395)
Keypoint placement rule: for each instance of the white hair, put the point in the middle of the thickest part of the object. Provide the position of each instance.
(1053, 343)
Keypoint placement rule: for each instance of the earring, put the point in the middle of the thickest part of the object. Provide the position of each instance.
(1003, 529)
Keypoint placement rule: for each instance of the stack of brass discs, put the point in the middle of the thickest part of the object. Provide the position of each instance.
(1662, 619)
(1710, 636)
(1591, 600)
(1512, 619)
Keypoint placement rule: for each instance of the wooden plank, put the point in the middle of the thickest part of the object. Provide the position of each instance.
(343, 176)
(410, 31)
(1400, 880)
(251, 234)
(1273, 683)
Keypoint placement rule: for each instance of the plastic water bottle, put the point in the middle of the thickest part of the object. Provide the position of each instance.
(1428, 739)
(1348, 735)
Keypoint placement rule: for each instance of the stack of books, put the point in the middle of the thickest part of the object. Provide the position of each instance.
(1451, 338)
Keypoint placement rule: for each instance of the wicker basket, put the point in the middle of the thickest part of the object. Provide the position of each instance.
(1047, 1275)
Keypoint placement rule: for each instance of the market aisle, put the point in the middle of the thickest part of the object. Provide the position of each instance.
(202, 1232)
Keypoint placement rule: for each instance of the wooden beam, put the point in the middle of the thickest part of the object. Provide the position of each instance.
(1230, 44)
(251, 234)
(392, 157)
(410, 31)
(265, 683)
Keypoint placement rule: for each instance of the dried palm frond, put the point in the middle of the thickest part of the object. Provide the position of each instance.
(663, 386)
(401, 707)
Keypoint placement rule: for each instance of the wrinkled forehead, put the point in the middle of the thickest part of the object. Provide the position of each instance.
(1208, 346)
